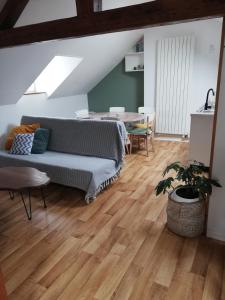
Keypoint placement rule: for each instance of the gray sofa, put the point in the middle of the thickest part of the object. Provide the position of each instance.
(85, 154)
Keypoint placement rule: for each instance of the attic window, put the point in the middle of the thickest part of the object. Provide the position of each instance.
(56, 72)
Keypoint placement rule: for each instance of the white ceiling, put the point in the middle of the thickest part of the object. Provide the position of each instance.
(38, 11)
(110, 4)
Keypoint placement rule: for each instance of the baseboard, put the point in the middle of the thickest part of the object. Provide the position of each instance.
(216, 235)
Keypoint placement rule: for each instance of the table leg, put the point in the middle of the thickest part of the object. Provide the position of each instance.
(27, 209)
(43, 197)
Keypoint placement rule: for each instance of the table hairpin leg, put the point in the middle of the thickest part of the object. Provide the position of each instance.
(11, 195)
(43, 197)
(27, 209)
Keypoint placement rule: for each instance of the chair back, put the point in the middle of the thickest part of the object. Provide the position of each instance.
(148, 112)
(117, 109)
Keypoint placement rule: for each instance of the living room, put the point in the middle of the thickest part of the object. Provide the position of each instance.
(62, 248)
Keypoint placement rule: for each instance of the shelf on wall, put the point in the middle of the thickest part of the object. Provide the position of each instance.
(133, 60)
(135, 53)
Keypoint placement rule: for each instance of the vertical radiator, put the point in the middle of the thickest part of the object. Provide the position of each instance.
(174, 72)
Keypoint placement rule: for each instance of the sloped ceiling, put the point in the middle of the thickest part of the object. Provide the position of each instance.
(38, 11)
(20, 66)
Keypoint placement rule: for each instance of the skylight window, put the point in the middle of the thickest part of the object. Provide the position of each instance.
(54, 75)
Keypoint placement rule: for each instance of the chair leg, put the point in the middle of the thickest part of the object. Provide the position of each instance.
(131, 143)
(146, 143)
(152, 144)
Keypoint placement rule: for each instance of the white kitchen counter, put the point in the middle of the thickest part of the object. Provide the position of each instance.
(201, 136)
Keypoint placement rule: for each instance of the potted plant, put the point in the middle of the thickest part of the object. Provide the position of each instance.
(188, 191)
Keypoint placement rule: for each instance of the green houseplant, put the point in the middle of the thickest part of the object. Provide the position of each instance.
(188, 188)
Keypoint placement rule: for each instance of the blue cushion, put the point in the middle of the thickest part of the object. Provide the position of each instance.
(22, 144)
(40, 143)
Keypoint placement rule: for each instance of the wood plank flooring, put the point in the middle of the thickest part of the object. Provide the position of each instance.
(116, 248)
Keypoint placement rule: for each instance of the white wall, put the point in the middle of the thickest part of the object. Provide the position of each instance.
(206, 58)
(38, 11)
(39, 105)
(109, 4)
(216, 218)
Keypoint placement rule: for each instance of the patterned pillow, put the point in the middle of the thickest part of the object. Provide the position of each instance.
(22, 144)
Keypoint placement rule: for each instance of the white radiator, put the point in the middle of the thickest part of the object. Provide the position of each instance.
(174, 72)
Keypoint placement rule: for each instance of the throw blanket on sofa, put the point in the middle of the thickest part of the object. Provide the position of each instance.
(84, 137)
(85, 154)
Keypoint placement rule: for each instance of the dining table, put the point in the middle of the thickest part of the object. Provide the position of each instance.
(126, 117)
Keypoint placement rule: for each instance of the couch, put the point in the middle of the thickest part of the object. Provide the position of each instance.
(85, 154)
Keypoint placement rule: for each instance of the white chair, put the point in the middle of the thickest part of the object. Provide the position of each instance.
(82, 113)
(148, 112)
(117, 109)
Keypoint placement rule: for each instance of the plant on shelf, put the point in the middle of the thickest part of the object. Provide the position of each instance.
(187, 190)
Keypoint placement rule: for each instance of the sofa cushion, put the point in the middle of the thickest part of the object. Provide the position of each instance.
(22, 144)
(19, 129)
(83, 172)
(40, 143)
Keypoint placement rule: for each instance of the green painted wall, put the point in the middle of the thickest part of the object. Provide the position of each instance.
(118, 88)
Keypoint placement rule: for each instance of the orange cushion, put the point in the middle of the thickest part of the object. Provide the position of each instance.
(19, 129)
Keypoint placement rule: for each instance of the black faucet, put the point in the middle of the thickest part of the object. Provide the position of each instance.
(207, 99)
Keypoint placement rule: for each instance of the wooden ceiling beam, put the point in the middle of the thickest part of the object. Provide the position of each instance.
(84, 7)
(11, 13)
(156, 13)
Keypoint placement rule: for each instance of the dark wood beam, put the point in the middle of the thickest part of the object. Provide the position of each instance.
(156, 13)
(11, 13)
(84, 7)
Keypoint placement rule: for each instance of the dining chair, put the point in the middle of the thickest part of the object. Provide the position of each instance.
(117, 109)
(148, 112)
(142, 132)
(145, 110)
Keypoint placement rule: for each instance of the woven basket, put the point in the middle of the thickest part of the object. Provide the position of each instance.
(186, 219)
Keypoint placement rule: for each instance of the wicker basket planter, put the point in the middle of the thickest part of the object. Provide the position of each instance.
(185, 217)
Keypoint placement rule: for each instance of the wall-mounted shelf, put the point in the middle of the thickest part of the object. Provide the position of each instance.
(134, 62)
(135, 53)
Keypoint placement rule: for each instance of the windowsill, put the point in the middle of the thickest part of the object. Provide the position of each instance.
(34, 93)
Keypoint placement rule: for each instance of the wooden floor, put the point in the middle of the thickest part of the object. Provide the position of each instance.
(116, 248)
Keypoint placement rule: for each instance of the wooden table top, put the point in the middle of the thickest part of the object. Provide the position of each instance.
(126, 117)
(19, 178)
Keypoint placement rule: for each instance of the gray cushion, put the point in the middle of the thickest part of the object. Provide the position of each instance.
(40, 143)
